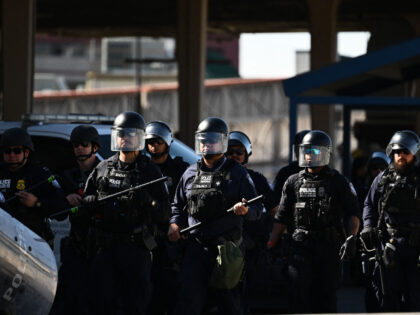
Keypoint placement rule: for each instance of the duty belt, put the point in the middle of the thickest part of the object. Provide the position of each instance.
(329, 233)
(412, 234)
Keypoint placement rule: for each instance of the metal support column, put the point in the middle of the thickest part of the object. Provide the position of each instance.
(191, 54)
(323, 20)
(18, 57)
(346, 141)
(292, 125)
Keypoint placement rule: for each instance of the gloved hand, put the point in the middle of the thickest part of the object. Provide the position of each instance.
(367, 235)
(348, 249)
(89, 200)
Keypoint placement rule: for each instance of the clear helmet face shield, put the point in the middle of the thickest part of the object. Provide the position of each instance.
(314, 155)
(127, 139)
(211, 142)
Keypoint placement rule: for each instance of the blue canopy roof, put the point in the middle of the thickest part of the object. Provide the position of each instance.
(362, 75)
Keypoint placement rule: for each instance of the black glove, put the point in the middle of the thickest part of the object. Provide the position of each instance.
(348, 249)
(367, 235)
(89, 200)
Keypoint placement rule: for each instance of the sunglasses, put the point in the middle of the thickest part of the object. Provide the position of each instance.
(235, 151)
(399, 151)
(312, 151)
(84, 144)
(155, 140)
(14, 150)
(123, 133)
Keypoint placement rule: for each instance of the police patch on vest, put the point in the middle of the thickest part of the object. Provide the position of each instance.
(5, 183)
(203, 181)
(20, 185)
(115, 183)
(307, 192)
(206, 179)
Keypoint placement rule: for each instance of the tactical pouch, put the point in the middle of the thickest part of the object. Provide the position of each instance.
(389, 255)
(143, 237)
(229, 266)
(300, 235)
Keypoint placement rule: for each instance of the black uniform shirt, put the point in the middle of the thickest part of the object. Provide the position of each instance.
(173, 169)
(370, 210)
(237, 187)
(344, 195)
(148, 172)
(263, 188)
(73, 181)
(282, 176)
(50, 195)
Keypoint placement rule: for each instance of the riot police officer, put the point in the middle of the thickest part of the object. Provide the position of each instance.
(73, 274)
(203, 194)
(392, 225)
(158, 141)
(376, 164)
(119, 279)
(29, 193)
(313, 205)
(290, 169)
(255, 232)
(166, 255)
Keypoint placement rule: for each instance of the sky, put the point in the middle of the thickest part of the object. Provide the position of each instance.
(272, 55)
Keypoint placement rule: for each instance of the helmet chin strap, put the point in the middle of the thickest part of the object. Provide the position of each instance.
(159, 154)
(84, 157)
(17, 164)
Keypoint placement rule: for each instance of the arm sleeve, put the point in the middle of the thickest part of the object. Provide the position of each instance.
(50, 195)
(370, 209)
(179, 214)
(284, 214)
(160, 195)
(349, 200)
(248, 191)
(278, 183)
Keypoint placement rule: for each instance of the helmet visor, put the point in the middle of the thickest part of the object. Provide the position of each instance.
(313, 156)
(211, 142)
(127, 139)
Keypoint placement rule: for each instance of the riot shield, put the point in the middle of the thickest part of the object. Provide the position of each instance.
(28, 270)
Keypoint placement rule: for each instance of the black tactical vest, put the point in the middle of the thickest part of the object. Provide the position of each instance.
(206, 200)
(400, 193)
(128, 211)
(314, 207)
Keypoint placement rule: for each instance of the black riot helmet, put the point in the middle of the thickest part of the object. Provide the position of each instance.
(16, 137)
(405, 139)
(298, 140)
(127, 132)
(378, 160)
(315, 149)
(211, 136)
(159, 129)
(240, 138)
(85, 133)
